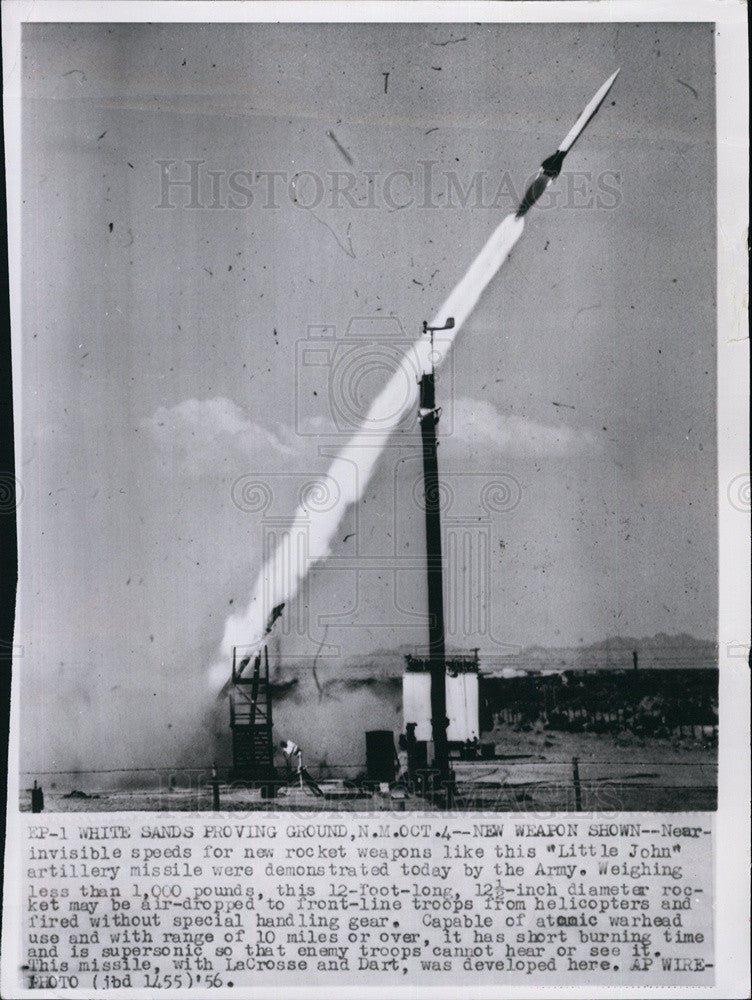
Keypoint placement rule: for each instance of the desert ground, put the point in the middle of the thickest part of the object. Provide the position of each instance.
(533, 771)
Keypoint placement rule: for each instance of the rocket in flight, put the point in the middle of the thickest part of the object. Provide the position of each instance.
(282, 575)
(551, 166)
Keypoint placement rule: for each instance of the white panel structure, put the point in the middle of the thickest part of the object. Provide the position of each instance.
(461, 701)
(462, 707)
(416, 703)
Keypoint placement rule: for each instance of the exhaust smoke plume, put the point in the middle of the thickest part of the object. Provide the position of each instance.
(280, 578)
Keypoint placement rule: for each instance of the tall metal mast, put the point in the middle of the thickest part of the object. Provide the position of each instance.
(429, 417)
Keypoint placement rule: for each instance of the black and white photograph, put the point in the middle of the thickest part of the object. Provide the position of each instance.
(375, 455)
(369, 382)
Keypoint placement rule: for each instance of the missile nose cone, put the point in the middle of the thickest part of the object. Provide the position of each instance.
(611, 79)
(551, 166)
(602, 91)
(609, 83)
(590, 108)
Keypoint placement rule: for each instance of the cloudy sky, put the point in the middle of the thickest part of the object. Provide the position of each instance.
(193, 355)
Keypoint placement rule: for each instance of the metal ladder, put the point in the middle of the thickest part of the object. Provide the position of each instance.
(251, 719)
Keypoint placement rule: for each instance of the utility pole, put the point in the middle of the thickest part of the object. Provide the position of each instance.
(429, 417)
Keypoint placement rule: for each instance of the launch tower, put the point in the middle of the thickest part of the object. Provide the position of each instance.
(251, 719)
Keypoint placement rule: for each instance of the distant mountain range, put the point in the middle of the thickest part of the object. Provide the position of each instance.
(660, 651)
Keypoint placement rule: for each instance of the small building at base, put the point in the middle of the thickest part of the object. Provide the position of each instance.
(462, 699)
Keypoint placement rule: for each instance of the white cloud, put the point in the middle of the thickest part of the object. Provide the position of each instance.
(208, 435)
(211, 436)
(477, 425)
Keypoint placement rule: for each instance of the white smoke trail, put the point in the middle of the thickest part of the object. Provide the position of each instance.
(281, 576)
